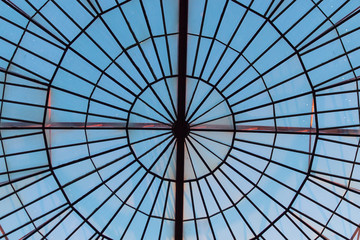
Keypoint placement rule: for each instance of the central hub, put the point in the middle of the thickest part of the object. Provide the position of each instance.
(181, 129)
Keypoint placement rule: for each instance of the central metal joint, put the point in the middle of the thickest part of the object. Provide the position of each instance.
(181, 129)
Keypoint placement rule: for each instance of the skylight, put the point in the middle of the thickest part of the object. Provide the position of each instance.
(190, 119)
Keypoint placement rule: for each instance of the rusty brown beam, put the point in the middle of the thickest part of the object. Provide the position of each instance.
(279, 129)
(356, 235)
(3, 232)
(82, 125)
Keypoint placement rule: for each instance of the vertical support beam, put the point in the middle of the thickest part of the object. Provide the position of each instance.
(49, 122)
(181, 121)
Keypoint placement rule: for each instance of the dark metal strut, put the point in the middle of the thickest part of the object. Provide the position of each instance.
(181, 124)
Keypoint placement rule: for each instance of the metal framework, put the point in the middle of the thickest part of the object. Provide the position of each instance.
(147, 120)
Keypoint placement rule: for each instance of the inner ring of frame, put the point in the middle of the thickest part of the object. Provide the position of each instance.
(208, 141)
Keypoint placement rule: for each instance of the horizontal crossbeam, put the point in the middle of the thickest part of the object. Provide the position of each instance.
(159, 126)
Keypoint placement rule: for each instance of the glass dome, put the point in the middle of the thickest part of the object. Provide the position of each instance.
(179, 119)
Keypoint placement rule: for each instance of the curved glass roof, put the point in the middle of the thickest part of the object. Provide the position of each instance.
(190, 119)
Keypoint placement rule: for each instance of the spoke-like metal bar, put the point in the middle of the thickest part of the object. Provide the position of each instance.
(180, 125)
